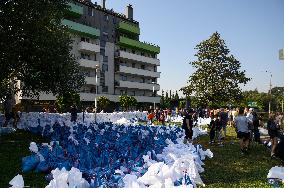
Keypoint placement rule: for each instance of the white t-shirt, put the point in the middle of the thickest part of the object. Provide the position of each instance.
(242, 123)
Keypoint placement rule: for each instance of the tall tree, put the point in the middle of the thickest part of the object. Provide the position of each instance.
(217, 77)
(35, 49)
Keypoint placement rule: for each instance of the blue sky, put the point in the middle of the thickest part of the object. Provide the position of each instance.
(253, 31)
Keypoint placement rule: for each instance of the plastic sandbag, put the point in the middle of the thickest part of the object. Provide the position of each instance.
(7, 130)
(30, 162)
(43, 167)
(17, 182)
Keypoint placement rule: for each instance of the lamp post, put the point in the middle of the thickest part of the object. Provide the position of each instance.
(269, 105)
(96, 105)
(154, 95)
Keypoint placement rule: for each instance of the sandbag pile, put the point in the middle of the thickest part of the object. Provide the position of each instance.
(116, 155)
(33, 119)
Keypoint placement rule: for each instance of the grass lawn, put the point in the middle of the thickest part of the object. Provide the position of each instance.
(12, 148)
(229, 168)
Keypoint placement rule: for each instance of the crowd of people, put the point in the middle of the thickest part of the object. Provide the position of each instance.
(246, 122)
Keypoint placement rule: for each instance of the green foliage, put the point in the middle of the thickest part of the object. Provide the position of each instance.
(262, 99)
(103, 102)
(126, 102)
(66, 100)
(35, 48)
(217, 76)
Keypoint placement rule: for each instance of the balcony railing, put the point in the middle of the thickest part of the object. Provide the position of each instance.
(74, 10)
(130, 43)
(89, 47)
(88, 63)
(129, 28)
(136, 57)
(137, 85)
(81, 29)
(142, 72)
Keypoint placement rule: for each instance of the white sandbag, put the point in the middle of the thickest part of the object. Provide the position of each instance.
(276, 172)
(17, 182)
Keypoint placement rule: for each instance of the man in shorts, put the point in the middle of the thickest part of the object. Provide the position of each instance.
(241, 124)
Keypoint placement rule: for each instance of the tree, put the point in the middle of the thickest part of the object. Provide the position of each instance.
(66, 100)
(217, 76)
(35, 49)
(103, 102)
(127, 101)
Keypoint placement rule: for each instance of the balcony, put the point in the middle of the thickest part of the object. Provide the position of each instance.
(142, 72)
(74, 11)
(88, 63)
(140, 58)
(137, 85)
(130, 43)
(91, 80)
(81, 29)
(88, 47)
(129, 28)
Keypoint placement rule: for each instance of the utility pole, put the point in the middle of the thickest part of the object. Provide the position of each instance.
(270, 85)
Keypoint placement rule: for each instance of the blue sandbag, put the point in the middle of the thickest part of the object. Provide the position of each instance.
(43, 167)
(29, 163)
(7, 130)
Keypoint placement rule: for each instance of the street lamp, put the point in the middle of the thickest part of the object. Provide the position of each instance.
(154, 94)
(96, 105)
(269, 105)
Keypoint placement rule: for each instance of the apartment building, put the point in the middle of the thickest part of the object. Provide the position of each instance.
(107, 46)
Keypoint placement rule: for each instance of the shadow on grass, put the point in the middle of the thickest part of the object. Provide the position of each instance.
(12, 148)
(230, 168)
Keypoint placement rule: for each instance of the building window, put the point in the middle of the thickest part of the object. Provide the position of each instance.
(85, 56)
(133, 51)
(123, 77)
(154, 80)
(142, 53)
(133, 65)
(143, 67)
(90, 11)
(105, 68)
(142, 80)
(106, 17)
(155, 68)
(105, 89)
(105, 58)
(85, 39)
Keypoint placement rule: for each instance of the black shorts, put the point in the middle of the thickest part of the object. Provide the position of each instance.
(243, 135)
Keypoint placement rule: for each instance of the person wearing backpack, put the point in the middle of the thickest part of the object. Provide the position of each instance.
(273, 131)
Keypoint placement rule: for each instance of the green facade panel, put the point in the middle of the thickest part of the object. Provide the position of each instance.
(123, 41)
(81, 29)
(74, 10)
(129, 28)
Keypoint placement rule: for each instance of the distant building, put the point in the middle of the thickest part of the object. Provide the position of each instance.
(109, 42)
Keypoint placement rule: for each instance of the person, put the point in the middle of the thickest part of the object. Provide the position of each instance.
(187, 125)
(224, 120)
(241, 124)
(73, 112)
(273, 131)
(151, 116)
(162, 117)
(213, 125)
(255, 123)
